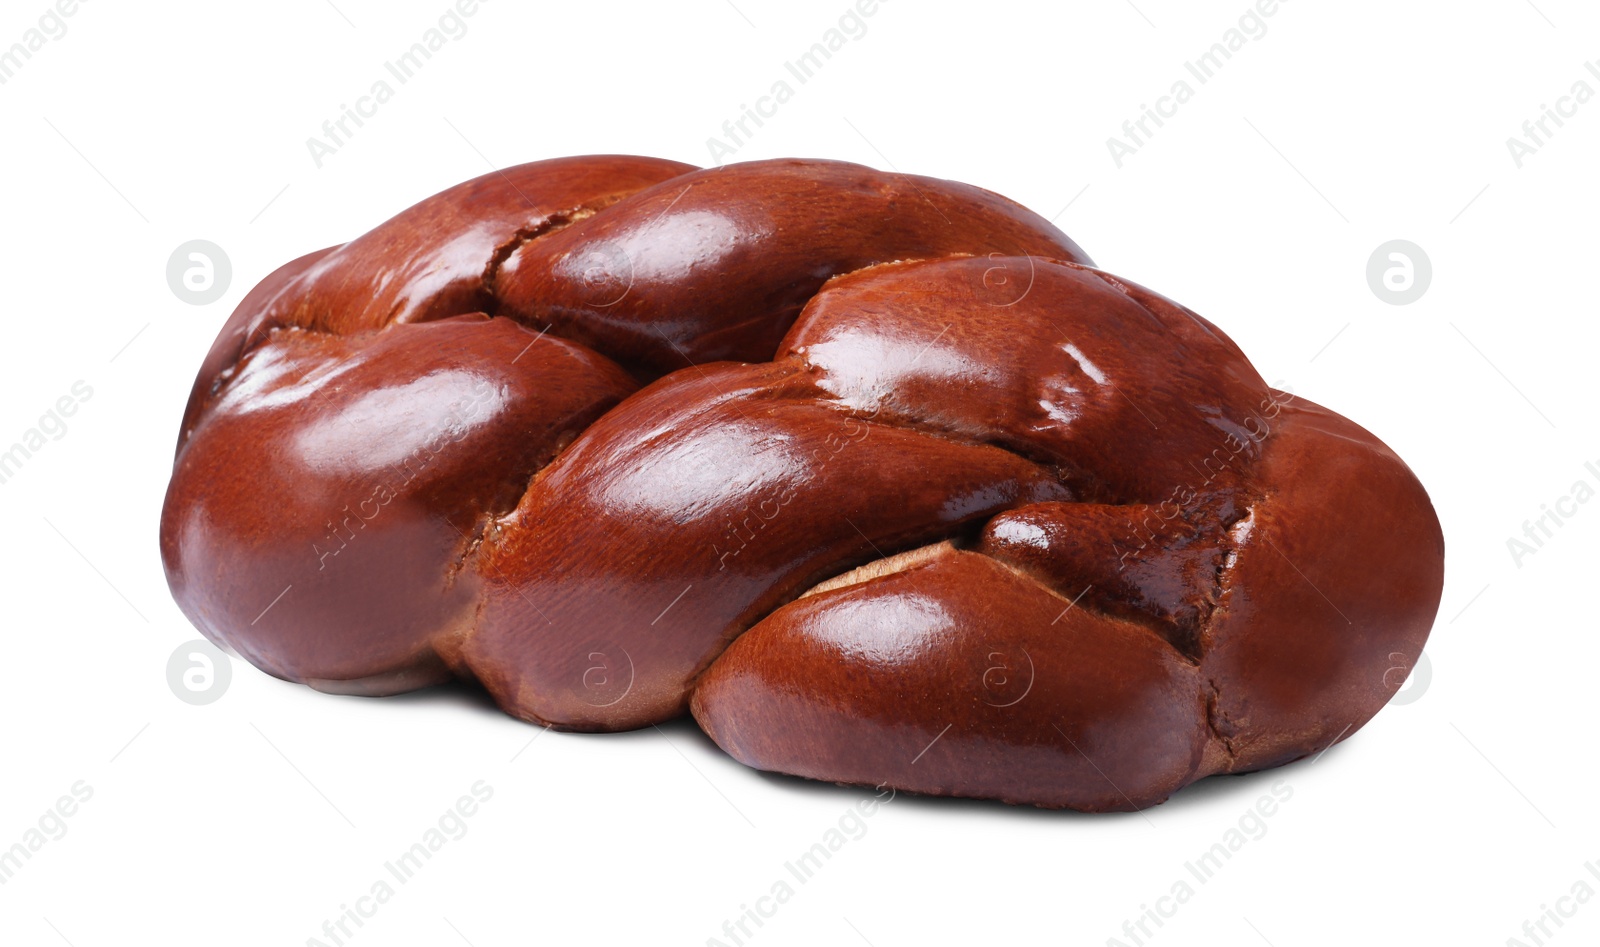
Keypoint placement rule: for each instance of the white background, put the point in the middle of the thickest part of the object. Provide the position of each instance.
(1452, 819)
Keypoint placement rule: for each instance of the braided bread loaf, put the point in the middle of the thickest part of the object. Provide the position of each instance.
(873, 472)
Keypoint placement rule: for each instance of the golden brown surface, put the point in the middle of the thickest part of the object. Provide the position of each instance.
(588, 430)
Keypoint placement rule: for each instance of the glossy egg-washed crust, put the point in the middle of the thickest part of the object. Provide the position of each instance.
(874, 473)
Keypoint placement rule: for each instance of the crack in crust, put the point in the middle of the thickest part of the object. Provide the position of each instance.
(524, 235)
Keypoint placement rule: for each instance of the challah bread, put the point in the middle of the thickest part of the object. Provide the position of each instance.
(873, 472)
